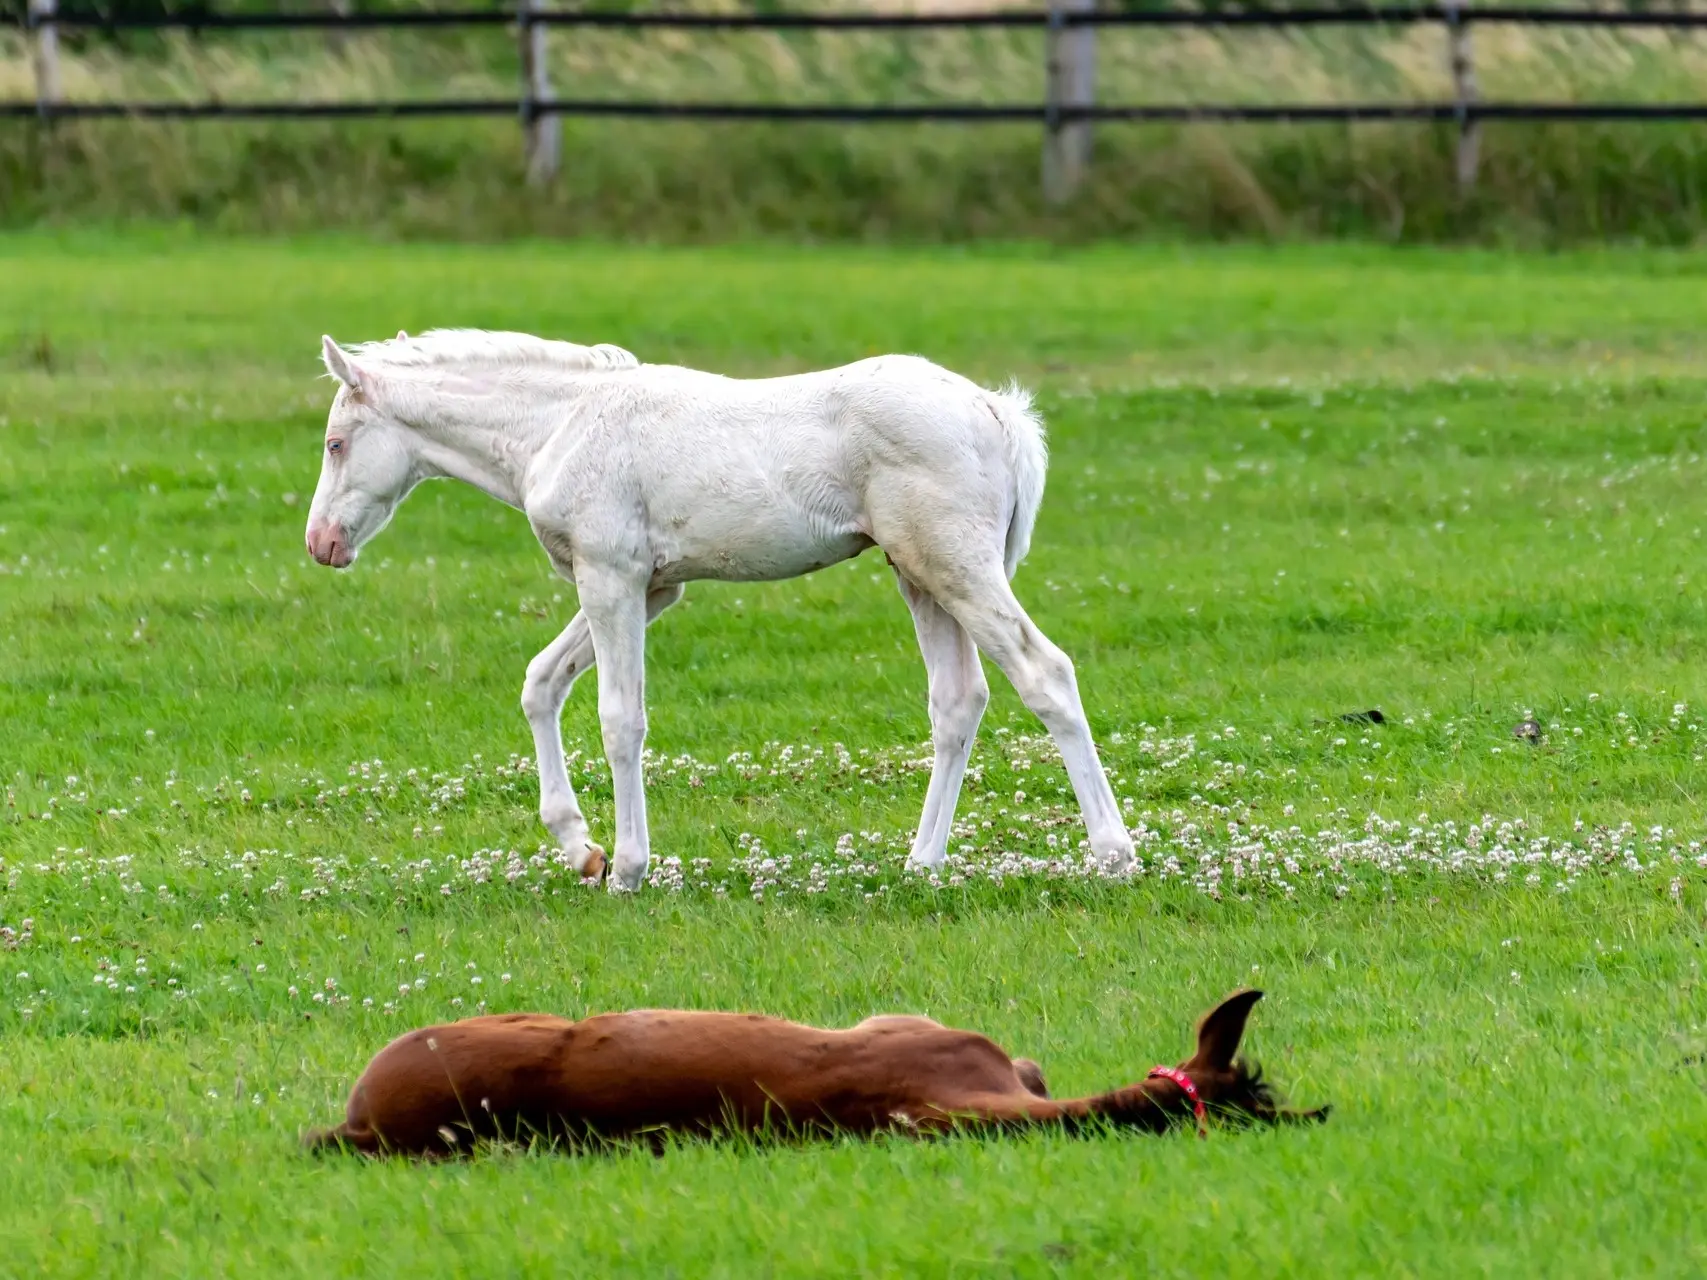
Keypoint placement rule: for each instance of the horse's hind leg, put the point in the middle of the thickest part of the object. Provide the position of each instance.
(1031, 1076)
(982, 602)
(323, 1141)
(958, 695)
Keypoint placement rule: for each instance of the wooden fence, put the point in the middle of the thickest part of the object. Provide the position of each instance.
(1066, 114)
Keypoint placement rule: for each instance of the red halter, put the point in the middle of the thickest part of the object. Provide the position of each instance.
(1184, 1082)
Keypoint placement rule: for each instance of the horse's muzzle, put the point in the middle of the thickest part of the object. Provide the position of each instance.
(328, 545)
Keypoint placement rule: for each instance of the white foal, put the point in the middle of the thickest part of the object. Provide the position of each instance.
(639, 478)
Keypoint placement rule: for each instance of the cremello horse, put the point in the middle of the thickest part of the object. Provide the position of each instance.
(639, 478)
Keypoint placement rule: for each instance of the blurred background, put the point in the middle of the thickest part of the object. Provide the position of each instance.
(1455, 167)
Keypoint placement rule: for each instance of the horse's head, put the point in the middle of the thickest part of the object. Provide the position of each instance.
(1228, 1083)
(368, 468)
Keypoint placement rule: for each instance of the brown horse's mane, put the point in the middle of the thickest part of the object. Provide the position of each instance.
(1249, 1096)
(1248, 1078)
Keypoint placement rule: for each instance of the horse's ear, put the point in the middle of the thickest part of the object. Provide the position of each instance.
(1221, 1029)
(340, 366)
(402, 335)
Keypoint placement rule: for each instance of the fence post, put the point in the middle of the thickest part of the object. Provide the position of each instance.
(337, 40)
(41, 15)
(1071, 54)
(543, 130)
(1464, 96)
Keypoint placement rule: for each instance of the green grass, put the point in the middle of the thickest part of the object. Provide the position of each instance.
(1285, 486)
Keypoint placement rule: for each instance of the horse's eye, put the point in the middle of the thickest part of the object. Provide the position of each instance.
(334, 446)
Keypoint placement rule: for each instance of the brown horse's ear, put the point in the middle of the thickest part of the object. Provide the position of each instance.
(1294, 1115)
(1220, 1030)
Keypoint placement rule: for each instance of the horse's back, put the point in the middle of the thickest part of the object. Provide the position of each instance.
(766, 479)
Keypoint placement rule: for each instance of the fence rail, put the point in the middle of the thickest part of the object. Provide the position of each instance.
(1014, 19)
(971, 113)
(1066, 115)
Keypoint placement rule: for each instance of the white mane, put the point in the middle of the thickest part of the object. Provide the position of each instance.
(495, 348)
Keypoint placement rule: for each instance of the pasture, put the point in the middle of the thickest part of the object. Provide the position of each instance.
(261, 816)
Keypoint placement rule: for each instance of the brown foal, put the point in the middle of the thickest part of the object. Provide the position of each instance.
(518, 1076)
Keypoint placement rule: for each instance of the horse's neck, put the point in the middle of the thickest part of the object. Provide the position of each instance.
(1132, 1105)
(486, 438)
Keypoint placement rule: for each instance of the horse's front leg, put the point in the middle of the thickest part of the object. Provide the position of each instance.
(615, 607)
(550, 677)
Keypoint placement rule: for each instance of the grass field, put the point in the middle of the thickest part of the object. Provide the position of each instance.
(261, 816)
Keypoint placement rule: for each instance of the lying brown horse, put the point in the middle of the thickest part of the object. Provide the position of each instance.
(642, 1074)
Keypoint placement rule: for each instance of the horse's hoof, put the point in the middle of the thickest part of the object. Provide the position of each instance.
(1116, 861)
(596, 865)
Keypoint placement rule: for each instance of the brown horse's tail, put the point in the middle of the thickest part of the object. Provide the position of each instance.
(342, 1138)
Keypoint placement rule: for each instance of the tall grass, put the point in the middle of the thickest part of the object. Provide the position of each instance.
(692, 181)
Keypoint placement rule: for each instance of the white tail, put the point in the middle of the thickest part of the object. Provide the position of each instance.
(1028, 456)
